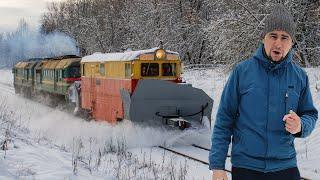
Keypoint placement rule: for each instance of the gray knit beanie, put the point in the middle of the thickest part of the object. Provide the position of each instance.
(280, 19)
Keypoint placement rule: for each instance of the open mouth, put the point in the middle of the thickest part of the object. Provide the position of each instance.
(276, 52)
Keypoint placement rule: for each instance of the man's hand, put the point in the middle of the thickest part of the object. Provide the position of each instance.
(293, 122)
(219, 175)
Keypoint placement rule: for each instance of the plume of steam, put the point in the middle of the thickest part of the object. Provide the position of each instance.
(25, 43)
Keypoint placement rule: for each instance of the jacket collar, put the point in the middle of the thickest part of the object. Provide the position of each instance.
(266, 63)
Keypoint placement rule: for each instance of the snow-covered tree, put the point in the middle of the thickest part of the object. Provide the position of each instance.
(202, 31)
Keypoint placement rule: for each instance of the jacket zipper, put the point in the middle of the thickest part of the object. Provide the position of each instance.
(286, 103)
(286, 110)
(268, 99)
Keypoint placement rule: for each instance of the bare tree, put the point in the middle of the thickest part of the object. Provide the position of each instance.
(202, 31)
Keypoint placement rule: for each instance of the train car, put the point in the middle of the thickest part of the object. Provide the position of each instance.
(51, 76)
(57, 74)
(142, 86)
(24, 77)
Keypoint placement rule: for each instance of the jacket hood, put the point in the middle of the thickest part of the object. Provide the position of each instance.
(259, 55)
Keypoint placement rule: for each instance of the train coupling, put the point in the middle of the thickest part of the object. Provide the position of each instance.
(177, 122)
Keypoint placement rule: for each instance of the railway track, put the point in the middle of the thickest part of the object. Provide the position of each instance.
(199, 160)
(9, 89)
(189, 156)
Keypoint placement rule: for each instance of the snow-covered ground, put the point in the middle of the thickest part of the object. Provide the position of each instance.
(47, 143)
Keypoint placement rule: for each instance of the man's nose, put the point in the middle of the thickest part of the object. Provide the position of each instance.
(278, 43)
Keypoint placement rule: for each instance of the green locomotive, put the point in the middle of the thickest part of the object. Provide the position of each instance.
(51, 76)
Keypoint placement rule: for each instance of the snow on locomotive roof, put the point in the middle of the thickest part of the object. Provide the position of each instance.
(124, 56)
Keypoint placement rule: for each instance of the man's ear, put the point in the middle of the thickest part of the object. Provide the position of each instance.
(294, 42)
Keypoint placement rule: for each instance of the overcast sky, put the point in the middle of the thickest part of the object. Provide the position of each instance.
(11, 11)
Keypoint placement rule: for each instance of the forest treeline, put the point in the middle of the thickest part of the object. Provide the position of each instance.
(202, 31)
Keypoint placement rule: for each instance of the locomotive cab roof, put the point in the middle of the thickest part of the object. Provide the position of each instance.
(40, 64)
(21, 64)
(61, 62)
(68, 62)
(31, 64)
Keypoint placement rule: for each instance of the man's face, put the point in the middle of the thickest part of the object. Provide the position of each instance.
(277, 44)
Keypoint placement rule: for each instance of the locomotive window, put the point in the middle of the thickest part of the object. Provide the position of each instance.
(56, 77)
(169, 69)
(127, 70)
(73, 71)
(102, 70)
(149, 69)
(30, 73)
(60, 75)
(83, 70)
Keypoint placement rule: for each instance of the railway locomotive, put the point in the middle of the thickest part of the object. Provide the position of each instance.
(142, 86)
(46, 75)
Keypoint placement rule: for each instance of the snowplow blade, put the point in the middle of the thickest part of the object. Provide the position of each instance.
(155, 101)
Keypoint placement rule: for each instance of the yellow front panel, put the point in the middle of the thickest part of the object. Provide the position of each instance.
(92, 69)
(111, 69)
(146, 57)
(172, 57)
(115, 69)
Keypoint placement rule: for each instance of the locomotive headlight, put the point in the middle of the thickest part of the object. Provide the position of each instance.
(160, 54)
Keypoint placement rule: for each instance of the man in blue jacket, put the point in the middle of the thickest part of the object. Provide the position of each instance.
(265, 105)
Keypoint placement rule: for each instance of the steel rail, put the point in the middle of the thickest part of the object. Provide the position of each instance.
(187, 156)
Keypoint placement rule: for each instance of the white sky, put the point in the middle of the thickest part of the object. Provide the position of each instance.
(11, 11)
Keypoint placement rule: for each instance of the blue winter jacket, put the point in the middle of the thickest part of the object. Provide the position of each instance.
(255, 99)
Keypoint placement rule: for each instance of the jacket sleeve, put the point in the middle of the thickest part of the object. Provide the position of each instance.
(307, 112)
(226, 115)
